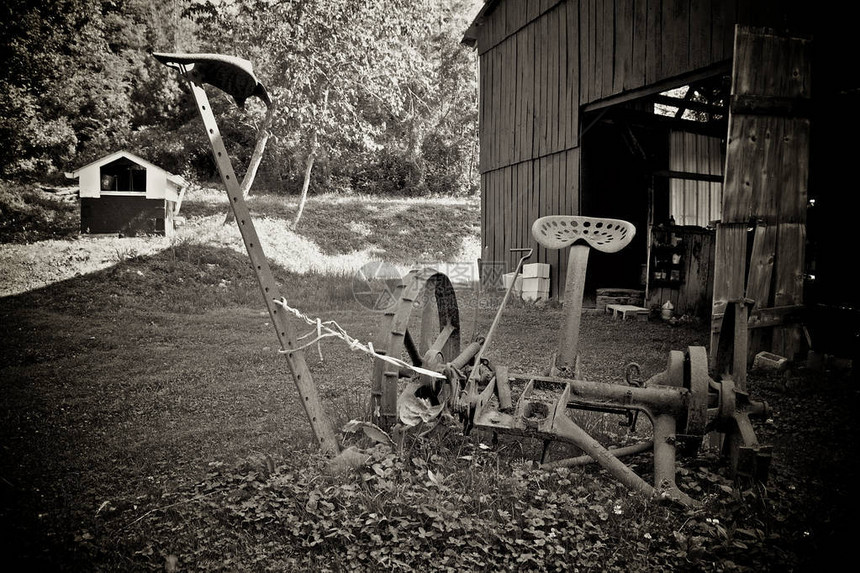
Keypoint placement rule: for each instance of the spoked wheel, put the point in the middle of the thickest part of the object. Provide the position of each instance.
(421, 328)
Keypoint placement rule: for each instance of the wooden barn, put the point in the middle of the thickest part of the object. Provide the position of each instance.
(125, 194)
(695, 121)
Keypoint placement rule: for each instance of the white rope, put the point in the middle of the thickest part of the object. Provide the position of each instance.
(330, 328)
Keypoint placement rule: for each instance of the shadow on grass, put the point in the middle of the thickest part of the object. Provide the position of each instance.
(120, 384)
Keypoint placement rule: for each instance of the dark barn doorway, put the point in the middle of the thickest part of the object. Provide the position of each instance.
(617, 163)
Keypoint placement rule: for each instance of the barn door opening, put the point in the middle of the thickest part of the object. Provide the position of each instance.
(617, 159)
(656, 160)
(761, 238)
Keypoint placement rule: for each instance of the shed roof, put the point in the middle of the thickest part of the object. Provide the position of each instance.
(470, 37)
(176, 179)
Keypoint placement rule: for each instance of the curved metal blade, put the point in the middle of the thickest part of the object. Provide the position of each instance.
(228, 73)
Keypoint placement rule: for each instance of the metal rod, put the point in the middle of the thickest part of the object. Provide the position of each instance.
(498, 317)
(666, 399)
(584, 460)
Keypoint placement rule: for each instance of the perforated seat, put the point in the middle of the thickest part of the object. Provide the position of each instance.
(606, 235)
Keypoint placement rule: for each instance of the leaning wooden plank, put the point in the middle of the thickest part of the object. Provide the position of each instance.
(760, 280)
(787, 340)
(729, 273)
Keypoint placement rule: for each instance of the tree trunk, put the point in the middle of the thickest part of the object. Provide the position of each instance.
(312, 155)
(256, 158)
(306, 183)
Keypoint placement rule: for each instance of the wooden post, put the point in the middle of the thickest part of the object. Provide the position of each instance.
(283, 327)
(577, 264)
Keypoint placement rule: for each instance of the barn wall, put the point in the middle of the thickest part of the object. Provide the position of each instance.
(529, 125)
(542, 60)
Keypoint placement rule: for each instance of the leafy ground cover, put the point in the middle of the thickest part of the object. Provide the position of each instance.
(149, 424)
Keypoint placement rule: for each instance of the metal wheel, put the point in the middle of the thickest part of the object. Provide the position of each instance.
(422, 328)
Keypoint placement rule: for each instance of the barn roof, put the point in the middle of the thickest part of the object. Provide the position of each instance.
(470, 37)
(176, 179)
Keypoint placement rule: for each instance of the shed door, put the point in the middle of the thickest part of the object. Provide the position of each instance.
(761, 237)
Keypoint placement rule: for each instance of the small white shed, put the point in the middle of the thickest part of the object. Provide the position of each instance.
(126, 194)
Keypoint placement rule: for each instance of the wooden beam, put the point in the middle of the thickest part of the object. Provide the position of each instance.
(720, 68)
(691, 105)
(689, 176)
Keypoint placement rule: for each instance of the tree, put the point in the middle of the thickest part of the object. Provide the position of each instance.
(343, 72)
(77, 80)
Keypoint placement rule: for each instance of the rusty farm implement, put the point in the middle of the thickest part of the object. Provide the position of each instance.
(422, 370)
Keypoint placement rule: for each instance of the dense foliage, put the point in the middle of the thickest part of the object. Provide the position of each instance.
(380, 93)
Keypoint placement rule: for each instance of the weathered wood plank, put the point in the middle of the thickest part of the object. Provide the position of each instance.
(542, 47)
(509, 87)
(723, 18)
(498, 118)
(788, 70)
(743, 149)
(794, 171)
(676, 37)
(654, 41)
(520, 110)
(563, 90)
(485, 184)
(608, 52)
(511, 239)
(552, 47)
(700, 33)
(586, 33)
(623, 67)
(730, 264)
(573, 72)
(597, 52)
(530, 91)
(522, 195)
(636, 77)
(483, 134)
(555, 186)
(534, 202)
(760, 279)
(791, 240)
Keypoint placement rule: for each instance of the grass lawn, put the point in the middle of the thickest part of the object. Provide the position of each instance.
(148, 422)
